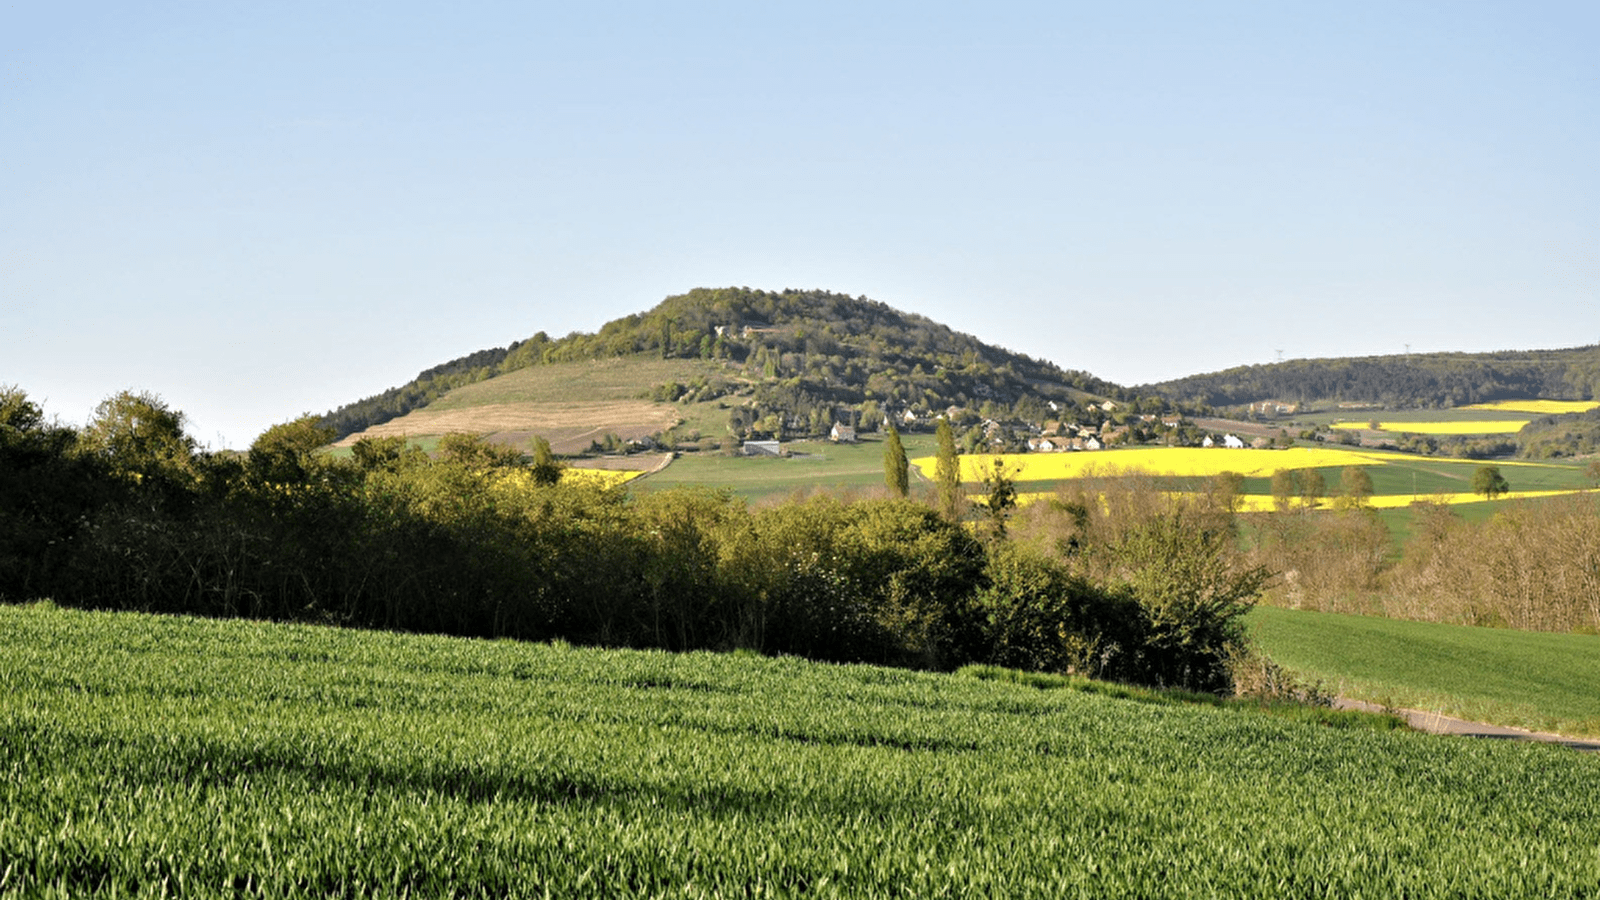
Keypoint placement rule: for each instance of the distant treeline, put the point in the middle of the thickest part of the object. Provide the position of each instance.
(127, 514)
(428, 386)
(1413, 380)
(804, 350)
(1575, 434)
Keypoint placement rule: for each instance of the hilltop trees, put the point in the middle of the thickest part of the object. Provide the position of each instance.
(803, 349)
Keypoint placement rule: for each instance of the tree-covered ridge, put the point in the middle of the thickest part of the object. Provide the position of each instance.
(1413, 380)
(804, 352)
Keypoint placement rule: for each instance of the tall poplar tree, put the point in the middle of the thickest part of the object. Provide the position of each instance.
(895, 471)
(947, 473)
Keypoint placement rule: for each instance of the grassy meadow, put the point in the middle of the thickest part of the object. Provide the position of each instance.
(811, 466)
(1535, 680)
(157, 756)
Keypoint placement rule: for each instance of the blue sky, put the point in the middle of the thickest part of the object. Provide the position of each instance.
(258, 210)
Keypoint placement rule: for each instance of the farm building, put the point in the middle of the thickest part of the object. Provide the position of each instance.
(762, 448)
(842, 434)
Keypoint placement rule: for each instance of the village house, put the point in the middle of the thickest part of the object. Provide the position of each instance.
(842, 434)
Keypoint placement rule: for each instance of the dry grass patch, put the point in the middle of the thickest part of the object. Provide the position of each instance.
(569, 427)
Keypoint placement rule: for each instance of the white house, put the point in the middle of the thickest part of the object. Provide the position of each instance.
(1232, 441)
(842, 434)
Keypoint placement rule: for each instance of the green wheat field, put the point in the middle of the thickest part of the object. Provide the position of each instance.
(164, 756)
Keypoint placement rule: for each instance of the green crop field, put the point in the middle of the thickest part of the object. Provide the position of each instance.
(811, 466)
(146, 756)
(1548, 682)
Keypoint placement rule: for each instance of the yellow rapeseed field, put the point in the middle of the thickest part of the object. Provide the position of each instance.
(603, 477)
(1263, 503)
(517, 479)
(1184, 461)
(1539, 407)
(1482, 426)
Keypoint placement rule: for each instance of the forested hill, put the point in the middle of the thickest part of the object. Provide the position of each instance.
(801, 349)
(1412, 380)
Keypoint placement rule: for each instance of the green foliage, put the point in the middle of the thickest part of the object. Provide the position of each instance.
(47, 491)
(475, 543)
(142, 755)
(1548, 437)
(1041, 617)
(387, 454)
(1488, 481)
(139, 437)
(896, 469)
(1355, 485)
(947, 473)
(546, 470)
(476, 451)
(1000, 496)
(1413, 380)
(288, 453)
(1193, 594)
(1285, 486)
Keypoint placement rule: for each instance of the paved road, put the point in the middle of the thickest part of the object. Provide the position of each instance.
(1441, 724)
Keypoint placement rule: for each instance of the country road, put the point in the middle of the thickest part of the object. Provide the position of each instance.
(1437, 723)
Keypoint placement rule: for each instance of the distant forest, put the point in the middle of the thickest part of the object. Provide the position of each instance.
(1410, 381)
(801, 348)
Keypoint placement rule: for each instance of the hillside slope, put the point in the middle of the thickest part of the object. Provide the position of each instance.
(766, 362)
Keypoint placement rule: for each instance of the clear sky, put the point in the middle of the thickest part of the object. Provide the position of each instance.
(259, 210)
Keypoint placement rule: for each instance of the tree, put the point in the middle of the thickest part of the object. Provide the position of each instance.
(947, 472)
(1285, 485)
(1356, 485)
(1312, 487)
(896, 472)
(476, 451)
(1489, 482)
(287, 453)
(1001, 497)
(138, 436)
(545, 468)
(1224, 489)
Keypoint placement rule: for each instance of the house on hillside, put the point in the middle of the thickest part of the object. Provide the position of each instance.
(842, 434)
